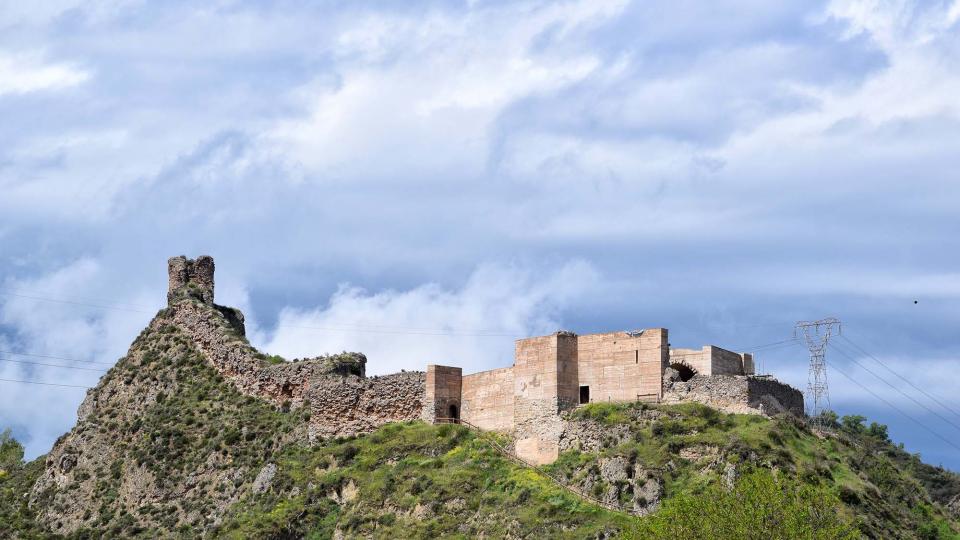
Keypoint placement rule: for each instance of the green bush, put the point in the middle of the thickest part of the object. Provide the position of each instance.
(762, 505)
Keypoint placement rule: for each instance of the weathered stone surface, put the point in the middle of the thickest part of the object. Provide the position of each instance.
(590, 436)
(190, 278)
(343, 402)
(264, 478)
(736, 394)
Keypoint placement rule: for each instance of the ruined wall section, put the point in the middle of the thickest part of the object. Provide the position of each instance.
(622, 366)
(190, 278)
(349, 405)
(341, 403)
(442, 391)
(736, 394)
(487, 399)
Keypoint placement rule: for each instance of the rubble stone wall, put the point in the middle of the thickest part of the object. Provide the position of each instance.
(736, 394)
(341, 404)
(349, 405)
(190, 277)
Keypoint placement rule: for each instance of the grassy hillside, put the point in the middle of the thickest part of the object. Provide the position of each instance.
(166, 448)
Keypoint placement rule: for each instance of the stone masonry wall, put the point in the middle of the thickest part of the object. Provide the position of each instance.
(348, 405)
(188, 277)
(736, 394)
(487, 399)
(724, 362)
(542, 373)
(442, 392)
(621, 366)
(698, 359)
(340, 404)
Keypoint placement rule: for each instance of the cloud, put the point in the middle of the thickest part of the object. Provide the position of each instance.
(719, 170)
(24, 73)
(87, 334)
(472, 327)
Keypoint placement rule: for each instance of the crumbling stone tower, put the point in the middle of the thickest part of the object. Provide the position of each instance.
(190, 278)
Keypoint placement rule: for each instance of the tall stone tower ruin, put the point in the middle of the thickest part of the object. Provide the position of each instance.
(190, 278)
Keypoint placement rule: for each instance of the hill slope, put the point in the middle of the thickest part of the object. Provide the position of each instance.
(166, 447)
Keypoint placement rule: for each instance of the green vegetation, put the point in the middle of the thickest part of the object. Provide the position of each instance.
(889, 492)
(760, 505)
(414, 481)
(16, 478)
(169, 443)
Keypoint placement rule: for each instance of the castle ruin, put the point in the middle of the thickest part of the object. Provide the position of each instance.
(550, 375)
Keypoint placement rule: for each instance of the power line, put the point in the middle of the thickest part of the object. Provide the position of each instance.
(888, 368)
(100, 370)
(908, 396)
(11, 290)
(46, 383)
(56, 358)
(84, 304)
(400, 332)
(892, 406)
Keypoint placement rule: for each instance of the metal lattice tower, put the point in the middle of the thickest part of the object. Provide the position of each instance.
(817, 334)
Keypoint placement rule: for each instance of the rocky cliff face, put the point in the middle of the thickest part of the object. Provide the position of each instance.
(162, 442)
(181, 427)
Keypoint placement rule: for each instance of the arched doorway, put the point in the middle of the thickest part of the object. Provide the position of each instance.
(454, 413)
(686, 372)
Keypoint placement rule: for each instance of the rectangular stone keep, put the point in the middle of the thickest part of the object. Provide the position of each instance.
(621, 366)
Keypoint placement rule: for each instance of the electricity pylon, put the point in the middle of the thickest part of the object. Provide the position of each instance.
(817, 334)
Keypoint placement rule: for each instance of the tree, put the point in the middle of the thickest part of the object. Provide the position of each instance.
(879, 431)
(761, 506)
(853, 423)
(11, 452)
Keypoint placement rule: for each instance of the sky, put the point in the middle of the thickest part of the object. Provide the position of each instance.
(426, 181)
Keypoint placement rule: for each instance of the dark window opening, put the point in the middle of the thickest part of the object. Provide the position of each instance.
(584, 394)
(454, 413)
(286, 390)
(636, 356)
(686, 372)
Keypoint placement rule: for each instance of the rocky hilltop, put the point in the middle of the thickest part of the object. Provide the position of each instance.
(196, 434)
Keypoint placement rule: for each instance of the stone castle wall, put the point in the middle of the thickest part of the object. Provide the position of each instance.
(621, 366)
(488, 399)
(736, 394)
(340, 404)
(544, 381)
(713, 360)
(342, 401)
(442, 395)
(348, 405)
(526, 399)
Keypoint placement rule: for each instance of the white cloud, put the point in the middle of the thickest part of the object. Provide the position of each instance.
(473, 327)
(24, 73)
(421, 94)
(63, 325)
